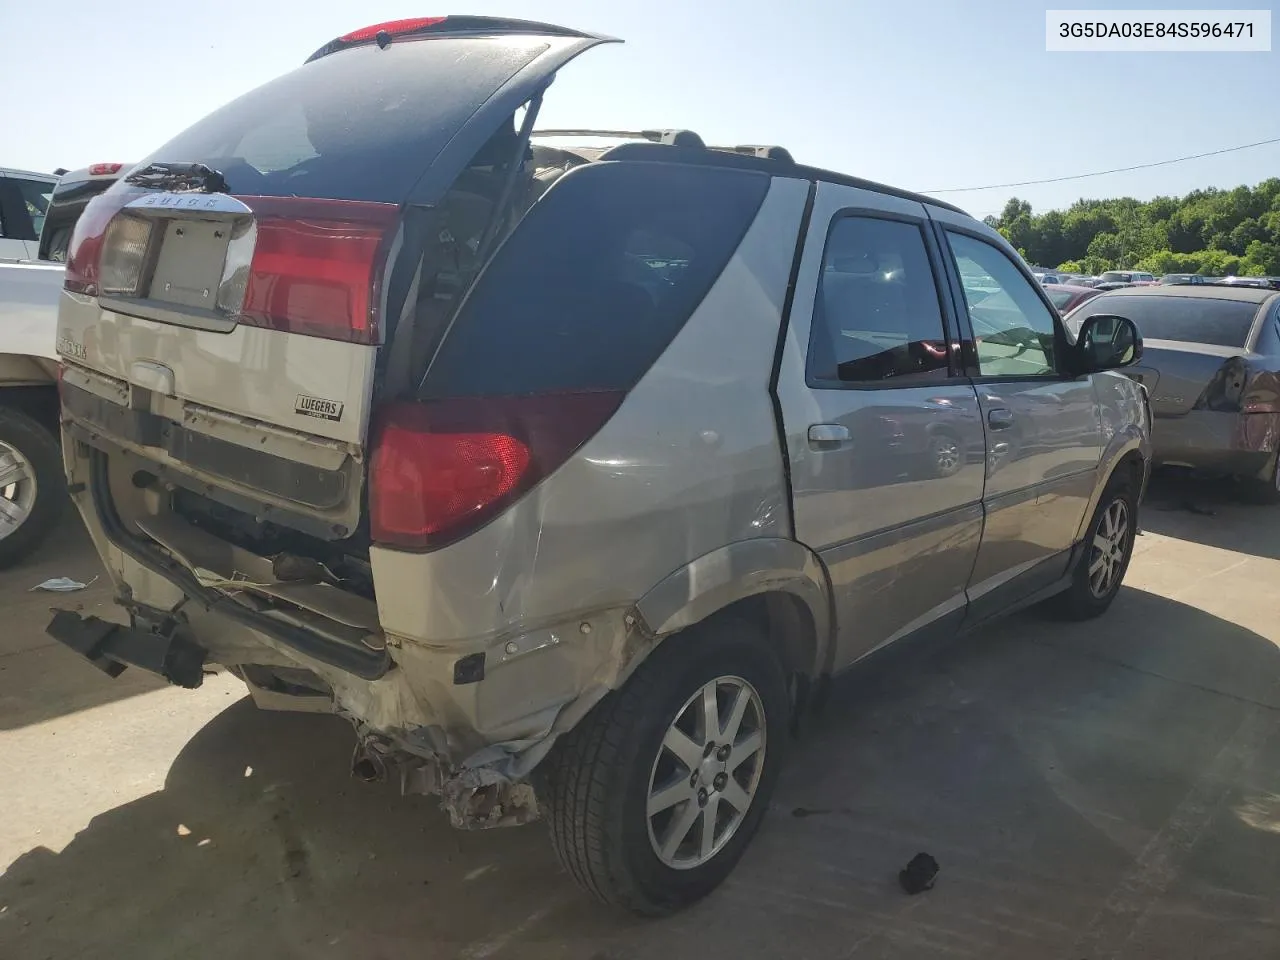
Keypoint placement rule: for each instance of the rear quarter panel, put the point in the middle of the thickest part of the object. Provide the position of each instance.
(688, 464)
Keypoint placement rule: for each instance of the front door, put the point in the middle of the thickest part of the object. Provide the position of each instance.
(883, 431)
(1044, 438)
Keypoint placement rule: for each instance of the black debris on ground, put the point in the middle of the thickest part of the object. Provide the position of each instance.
(918, 875)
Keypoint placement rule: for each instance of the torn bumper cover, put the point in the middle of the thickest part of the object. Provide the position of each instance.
(480, 763)
(111, 647)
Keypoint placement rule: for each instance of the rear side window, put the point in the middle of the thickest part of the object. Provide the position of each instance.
(360, 124)
(876, 318)
(1223, 323)
(35, 197)
(596, 281)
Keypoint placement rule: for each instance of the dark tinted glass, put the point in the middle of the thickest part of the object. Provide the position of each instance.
(1224, 323)
(1059, 298)
(597, 279)
(362, 124)
(877, 318)
(64, 211)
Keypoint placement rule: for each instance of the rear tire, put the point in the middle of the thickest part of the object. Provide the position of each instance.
(618, 796)
(1265, 491)
(32, 485)
(1104, 557)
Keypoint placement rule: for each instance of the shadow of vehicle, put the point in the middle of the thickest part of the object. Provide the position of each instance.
(39, 678)
(1085, 788)
(1210, 511)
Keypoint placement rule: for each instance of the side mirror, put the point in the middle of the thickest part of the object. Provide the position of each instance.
(1107, 342)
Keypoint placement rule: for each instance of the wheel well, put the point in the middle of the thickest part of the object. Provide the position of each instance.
(789, 626)
(37, 401)
(1132, 466)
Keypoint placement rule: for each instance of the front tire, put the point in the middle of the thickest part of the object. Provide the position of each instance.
(654, 796)
(32, 485)
(1104, 559)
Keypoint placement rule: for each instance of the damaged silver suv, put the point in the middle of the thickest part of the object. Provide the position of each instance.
(567, 475)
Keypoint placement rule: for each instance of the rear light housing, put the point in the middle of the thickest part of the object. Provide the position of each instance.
(124, 253)
(441, 469)
(299, 265)
(315, 266)
(104, 169)
(84, 250)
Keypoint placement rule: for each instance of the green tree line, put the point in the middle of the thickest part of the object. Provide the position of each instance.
(1213, 232)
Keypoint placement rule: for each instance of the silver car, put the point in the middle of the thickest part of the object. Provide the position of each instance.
(1212, 369)
(568, 477)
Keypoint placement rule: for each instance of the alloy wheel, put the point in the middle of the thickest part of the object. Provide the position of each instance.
(17, 489)
(1107, 554)
(706, 773)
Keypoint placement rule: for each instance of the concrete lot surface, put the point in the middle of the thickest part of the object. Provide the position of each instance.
(1102, 790)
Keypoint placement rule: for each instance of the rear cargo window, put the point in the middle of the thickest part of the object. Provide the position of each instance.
(1223, 323)
(361, 124)
(600, 276)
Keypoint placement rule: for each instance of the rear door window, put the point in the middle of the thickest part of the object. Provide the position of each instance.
(1223, 323)
(599, 277)
(876, 318)
(35, 196)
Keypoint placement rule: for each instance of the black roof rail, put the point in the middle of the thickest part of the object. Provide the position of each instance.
(658, 152)
(673, 137)
(768, 151)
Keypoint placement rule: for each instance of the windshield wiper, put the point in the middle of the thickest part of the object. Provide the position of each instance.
(192, 177)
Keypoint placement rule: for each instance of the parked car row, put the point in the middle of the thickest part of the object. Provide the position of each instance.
(37, 214)
(1211, 366)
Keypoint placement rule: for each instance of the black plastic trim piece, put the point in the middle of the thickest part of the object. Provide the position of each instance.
(112, 647)
(779, 349)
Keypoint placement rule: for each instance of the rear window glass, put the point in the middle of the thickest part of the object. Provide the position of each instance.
(1223, 323)
(599, 277)
(360, 124)
(1059, 298)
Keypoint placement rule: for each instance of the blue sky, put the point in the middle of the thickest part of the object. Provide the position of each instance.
(919, 95)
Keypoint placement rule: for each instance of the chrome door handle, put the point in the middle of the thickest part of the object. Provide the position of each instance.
(826, 433)
(999, 418)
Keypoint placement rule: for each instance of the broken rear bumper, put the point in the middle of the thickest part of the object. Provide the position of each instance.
(111, 647)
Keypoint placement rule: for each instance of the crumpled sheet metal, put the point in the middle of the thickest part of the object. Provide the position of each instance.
(407, 723)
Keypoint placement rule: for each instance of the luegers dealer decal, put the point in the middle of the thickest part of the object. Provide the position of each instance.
(316, 407)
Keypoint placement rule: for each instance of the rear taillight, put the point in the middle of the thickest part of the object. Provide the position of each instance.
(104, 169)
(85, 247)
(314, 267)
(442, 468)
(124, 251)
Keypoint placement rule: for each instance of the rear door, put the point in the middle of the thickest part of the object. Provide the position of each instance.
(883, 434)
(1044, 436)
(236, 284)
(23, 203)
